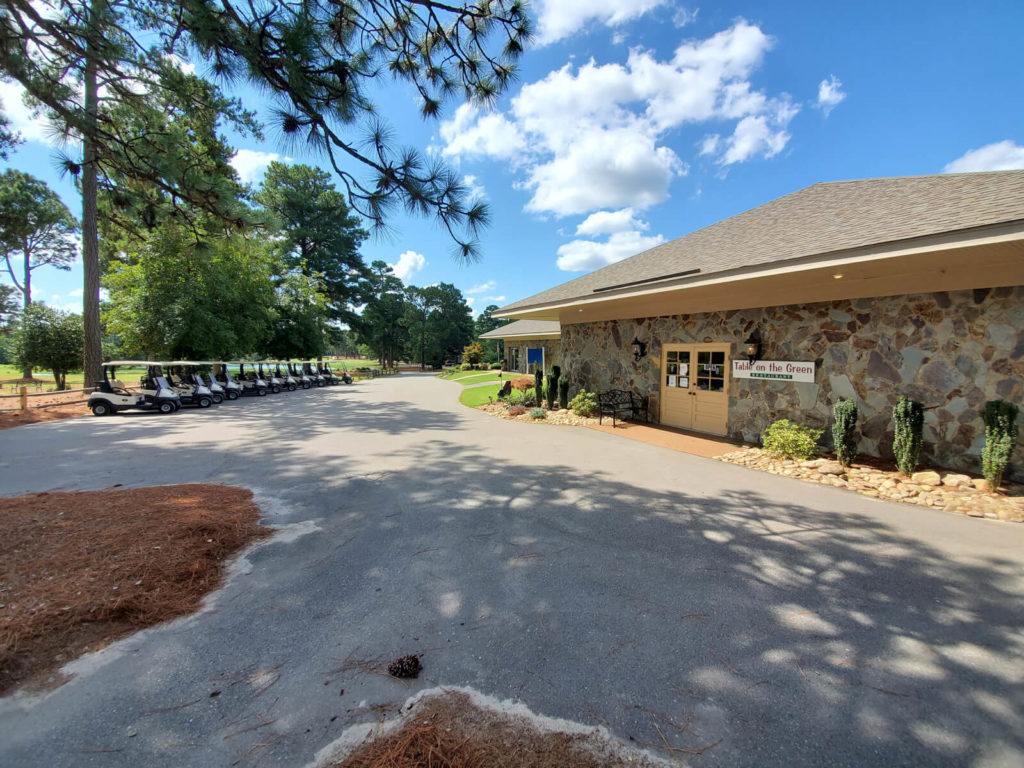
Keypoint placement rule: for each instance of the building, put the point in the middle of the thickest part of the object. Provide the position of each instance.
(529, 344)
(867, 289)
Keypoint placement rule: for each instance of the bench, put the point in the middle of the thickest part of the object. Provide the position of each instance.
(618, 403)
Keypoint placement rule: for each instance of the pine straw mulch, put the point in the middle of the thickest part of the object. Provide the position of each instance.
(80, 569)
(451, 731)
(35, 415)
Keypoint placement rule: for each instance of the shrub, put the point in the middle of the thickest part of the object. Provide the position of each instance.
(522, 383)
(537, 413)
(496, 366)
(516, 410)
(584, 404)
(466, 367)
(790, 441)
(530, 397)
(563, 393)
(538, 385)
(1000, 439)
(551, 391)
(908, 425)
(515, 397)
(844, 426)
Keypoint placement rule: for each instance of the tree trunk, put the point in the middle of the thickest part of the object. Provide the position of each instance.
(92, 356)
(26, 295)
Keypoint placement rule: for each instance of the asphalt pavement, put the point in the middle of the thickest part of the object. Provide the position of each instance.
(743, 618)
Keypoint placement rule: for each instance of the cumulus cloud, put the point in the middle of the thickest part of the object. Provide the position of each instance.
(830, 93)
(558, 19)
(999, 156)
(610, 222)
(593, 137)
(250, 164)
(409, 263)
(493, 299)
(490, 285)
(474, 191)
(21, 118)
(76, 293)
(580, 255)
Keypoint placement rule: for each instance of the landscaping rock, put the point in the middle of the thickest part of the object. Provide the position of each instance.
(956, 480)
(926, 478)
(981, 484)
(831, 468)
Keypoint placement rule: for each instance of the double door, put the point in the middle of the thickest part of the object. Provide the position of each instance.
(695, 387)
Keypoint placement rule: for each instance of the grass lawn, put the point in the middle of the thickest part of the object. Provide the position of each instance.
(482, 377)
(477, 396)
(7, 372)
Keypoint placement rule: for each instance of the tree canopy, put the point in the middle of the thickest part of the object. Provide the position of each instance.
(50, 339)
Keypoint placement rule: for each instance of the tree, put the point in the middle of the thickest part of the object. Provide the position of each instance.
(381, 326)
(486, 322)
(473, 353)
(420, 302)
(8, 307)
(50, 339)
(36, 229)
(318, 58)
(449, 326)
(301, 326)
(320, 237)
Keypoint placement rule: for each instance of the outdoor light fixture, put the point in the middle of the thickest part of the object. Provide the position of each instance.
(753, 345)
(639, 349)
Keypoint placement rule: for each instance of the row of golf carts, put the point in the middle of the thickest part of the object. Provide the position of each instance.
(168, 386)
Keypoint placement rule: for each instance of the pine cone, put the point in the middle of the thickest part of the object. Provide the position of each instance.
(407, 666)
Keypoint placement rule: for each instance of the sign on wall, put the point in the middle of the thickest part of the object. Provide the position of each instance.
(777, 370)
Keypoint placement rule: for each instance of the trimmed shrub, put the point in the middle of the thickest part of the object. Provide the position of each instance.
(563, 393)
(515, 397)
(584, 404)
(465, 367)
(522, 383)
(1000, 419)
(530, 397)
(787, 440)
(538, 385)
(552, 390)
(496, 366)
(908, 426)
(538, 413)
(844, 428)
(516, 410)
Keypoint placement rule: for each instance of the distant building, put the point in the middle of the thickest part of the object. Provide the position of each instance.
(529, 344)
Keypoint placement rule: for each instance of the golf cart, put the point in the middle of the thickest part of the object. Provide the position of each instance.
(222, 376)
(252, 385)
(274, 384)
(309, 368)
(296, 372)
(187, 373)
(111, 395)
(191, 394)
(287, 380)
(334, 378)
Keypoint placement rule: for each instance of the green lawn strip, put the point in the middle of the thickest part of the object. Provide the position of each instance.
(482, 378)
(477, 396)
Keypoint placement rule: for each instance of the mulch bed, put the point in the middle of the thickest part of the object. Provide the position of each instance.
(449, 731)
(35, 415)
(80, 569)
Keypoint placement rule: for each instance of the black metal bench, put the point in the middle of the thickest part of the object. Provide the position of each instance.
(618, 403)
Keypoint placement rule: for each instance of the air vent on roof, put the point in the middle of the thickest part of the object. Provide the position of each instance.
(648, 280)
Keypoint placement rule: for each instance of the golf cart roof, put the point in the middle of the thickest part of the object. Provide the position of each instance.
(189, 362)
(145, 363)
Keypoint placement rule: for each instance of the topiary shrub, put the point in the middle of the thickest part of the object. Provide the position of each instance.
(787, 440)
(516, 410)
(538, 385)
(551, 391)
(563, 393)
(584, 404)
(1000, 419)
(538, 413)
(908, 426)
(844, 428)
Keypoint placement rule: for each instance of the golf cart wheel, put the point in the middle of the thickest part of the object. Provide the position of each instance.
(205, 402)
(102, 409)
(166, 407)
(218, 399)
(232, 394)
(276, 388)
(292, 387)
(321, 383)
(177, 405)
(261, 391)
(306, 385)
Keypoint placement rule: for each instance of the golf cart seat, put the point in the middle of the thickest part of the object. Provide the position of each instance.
(118, 385)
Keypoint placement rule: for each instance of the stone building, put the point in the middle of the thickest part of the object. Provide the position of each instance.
(867, 289)
(528, 344)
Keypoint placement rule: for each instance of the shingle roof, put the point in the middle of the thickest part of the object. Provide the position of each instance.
(524, 328)
(817, 220)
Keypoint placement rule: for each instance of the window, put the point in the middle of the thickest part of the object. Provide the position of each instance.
(711, 371)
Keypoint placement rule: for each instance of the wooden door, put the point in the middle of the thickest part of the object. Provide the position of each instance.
(695, 387)
(676, 393)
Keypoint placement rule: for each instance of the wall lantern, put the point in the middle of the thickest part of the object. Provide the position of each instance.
(639, 349)
(753, 346)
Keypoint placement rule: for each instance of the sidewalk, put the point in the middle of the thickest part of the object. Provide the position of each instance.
(694, 443)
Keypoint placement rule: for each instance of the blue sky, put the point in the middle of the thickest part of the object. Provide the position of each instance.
(634, 122)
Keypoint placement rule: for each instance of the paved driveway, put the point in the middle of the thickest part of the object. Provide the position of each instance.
(593, 578)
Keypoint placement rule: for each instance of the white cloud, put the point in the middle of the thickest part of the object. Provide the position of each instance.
(580, 255)
(593, 136)
(610, 222)
(20, 117)
(557, 19)
(493, 299)
(473, 190)
(684, 16)
(999, 156)
(830, 93)
(490, 285)
(251, 164)
(409, 263)
(76, 293)
(470, 301)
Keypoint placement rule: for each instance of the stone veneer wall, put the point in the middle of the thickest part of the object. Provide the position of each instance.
(950, 350)
(552, 351)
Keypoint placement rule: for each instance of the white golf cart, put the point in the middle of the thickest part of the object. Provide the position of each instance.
(111, 394)
(252, 385)
(191, 394)
(281, 372)
(222, 376)
(188, 373)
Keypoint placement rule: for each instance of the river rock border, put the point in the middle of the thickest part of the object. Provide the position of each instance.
(950, 491)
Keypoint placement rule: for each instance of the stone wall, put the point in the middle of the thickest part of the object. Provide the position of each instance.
(552, 351)
(950, 350)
